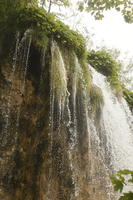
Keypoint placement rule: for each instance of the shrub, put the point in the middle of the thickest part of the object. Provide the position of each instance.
(103, 62)
(45, 24)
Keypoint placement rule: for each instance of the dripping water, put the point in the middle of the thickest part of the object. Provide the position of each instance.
(20, 58)
(24, 51)
(58, 93)
(7, 111)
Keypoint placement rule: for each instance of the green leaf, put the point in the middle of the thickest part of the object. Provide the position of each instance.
(118, 184)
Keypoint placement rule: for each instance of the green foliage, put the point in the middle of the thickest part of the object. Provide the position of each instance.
(81, 6)
(86, 74)
(126, 72)
(122, 178)
(96, 101)
(45, 24)
(103, 62)
(8, 9)
(127, 196)
(118, 184)
(9, 6)
(97, 8)
(116, 86)
(129, 97)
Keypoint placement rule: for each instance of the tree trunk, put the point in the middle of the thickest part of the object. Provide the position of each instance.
(50, 4)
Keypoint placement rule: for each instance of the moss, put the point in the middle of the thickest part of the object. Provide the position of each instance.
(128, 95)
(45, 25)
(86, 76)
(58, 74)
(78, 73)
(103, 62)
(96, 101)
(116, 86)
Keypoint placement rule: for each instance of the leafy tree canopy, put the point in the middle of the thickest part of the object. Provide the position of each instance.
(97, 7)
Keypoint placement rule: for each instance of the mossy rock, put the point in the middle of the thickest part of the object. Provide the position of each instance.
(44, 25)
(96, 101)
(128, 95)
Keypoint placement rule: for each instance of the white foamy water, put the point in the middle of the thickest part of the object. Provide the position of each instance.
(118, 124)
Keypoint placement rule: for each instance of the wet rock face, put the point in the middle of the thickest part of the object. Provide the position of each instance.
(46, 152)
(23, 130)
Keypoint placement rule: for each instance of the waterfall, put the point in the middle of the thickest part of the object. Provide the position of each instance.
(72, 129)
(79, 134)
(62, 117)
(117, 122)
(107, 144)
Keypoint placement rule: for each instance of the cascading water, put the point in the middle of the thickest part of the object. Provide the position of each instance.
(117, 122)
(82, 143)
(60, 114)
(105, 152)
(72, 131)
(23, 53)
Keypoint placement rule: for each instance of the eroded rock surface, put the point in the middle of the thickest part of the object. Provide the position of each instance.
(46, 149)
